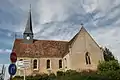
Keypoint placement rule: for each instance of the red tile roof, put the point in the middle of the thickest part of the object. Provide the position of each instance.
(40, 48)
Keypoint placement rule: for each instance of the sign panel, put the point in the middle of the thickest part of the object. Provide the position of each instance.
(19, 64)
(12, 69)
(13, 57)
(23, 64)
(26, 63)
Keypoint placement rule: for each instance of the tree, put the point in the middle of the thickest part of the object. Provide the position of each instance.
(108, 55)
(108, 66)
(110, 69)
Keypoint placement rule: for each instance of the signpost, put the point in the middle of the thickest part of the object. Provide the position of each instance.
(12, 67)
(2, 74)
(20, 64)
(13, 57)
(24, 64)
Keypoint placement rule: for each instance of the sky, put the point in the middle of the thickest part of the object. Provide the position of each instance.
(60, 20)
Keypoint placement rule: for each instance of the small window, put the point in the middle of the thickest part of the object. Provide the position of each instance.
(60, 63)
(27, 34)
(48, 64)
(35, 64)
(20, 59)
(87, 57)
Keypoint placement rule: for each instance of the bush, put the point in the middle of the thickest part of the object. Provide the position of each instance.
(70, 72)
(52, 76)
(73, 75)
(18, 78)
(108, 65)
(110, 69)
(60, 73)
(112, 75)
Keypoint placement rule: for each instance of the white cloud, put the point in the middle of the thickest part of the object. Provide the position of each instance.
(60, 16)
(4, 51)
(51, 10)
(109, 37)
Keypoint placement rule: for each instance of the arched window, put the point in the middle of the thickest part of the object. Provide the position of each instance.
(48, 64)
(21, 60)
(60, 63)
(35, 64)
(87, 58)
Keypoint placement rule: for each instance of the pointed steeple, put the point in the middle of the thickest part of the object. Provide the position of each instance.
(28, 28)
(28, 33)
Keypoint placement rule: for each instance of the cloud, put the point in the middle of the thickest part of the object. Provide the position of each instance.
(4, 51)
(51, 10)
(61, 19)
(109, 37)
(47, 11)
(94, 12)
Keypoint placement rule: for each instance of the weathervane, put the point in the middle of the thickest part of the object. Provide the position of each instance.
(30, 7)
(82, 24)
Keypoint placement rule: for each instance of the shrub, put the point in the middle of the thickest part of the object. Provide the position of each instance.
(52, 76)
(70, 72)
(108, 65)
(44, 77)
(110, 69)
(60, 73)
(112, 75)
(73, 75)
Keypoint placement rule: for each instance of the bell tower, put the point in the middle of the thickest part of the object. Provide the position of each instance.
(28, 33)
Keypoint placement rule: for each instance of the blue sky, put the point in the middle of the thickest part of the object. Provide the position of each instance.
(60, 20)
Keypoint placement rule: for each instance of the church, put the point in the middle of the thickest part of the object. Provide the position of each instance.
(50, 56)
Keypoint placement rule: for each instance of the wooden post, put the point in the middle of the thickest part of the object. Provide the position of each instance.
(24, 73)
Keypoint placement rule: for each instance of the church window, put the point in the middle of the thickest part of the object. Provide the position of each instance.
(48, 64)
(87, 58)
(35, 64)
(60, 63)
(21, 60)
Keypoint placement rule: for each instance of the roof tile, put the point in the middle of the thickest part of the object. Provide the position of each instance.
(40, 48)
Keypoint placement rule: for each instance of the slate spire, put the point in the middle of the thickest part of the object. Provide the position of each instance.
(28, 33)
(28, 28)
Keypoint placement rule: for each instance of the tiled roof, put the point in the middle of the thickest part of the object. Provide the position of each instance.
(40, 48)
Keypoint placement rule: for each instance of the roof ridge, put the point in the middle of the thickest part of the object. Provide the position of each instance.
(47, 40)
